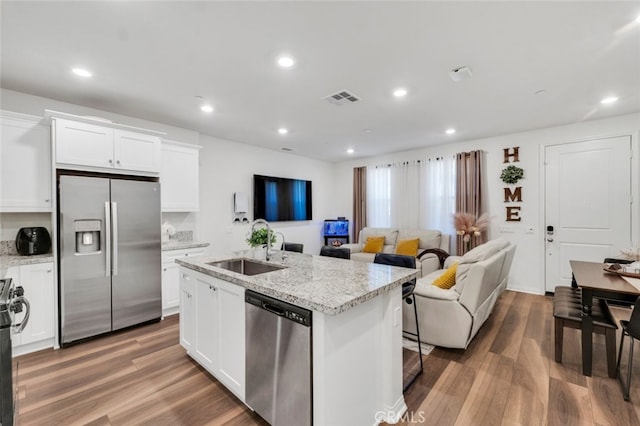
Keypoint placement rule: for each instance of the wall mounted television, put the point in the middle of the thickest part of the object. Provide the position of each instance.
(277, 199)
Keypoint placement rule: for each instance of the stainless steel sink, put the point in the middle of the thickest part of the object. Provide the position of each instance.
(246, 266)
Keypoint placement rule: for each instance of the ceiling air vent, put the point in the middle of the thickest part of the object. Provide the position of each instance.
(342, 98)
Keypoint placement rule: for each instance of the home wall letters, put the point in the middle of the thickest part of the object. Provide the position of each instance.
(510, 175)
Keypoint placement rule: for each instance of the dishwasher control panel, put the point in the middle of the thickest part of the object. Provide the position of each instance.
(278, 307)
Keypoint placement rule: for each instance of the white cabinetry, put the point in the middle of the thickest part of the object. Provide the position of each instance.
(38, 283)
(217, 317)
(25, 164)
(179, 177)
(171, 280)
(187, 311)
(86, 144)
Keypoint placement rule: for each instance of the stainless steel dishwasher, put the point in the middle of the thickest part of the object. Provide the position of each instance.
(278, 360)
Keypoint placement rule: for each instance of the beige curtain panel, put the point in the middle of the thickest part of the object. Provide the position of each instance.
(359, 200)
(470, 192)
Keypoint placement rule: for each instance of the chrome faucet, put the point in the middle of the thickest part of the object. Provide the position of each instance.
(282, 250)
(269, 234)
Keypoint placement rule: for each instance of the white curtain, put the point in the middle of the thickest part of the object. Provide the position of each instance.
(438, 198)
(405, 195)
(413, 195)
(379, 197)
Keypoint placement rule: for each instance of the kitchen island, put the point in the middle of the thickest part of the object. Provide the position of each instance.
(356, 337)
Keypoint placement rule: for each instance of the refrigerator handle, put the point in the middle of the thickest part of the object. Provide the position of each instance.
(114, 221)
(107, 239)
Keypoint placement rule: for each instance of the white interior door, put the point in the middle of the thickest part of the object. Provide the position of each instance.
(587, 202)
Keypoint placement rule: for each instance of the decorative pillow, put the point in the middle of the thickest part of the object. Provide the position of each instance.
(373, 245)
(448, 277)
(408, 247)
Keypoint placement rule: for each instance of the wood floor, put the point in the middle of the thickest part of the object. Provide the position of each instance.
(507, 376)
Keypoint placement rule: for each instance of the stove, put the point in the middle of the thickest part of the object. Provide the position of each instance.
(12, 301)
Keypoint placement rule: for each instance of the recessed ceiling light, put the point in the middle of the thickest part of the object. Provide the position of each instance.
(286, 61)
(450, 131)
(206, 108)
(350, 151)
(609, 100)
(398, 93)
(638, 19)
(283, 131)
(81, 72)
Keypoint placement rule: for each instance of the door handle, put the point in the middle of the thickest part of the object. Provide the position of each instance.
(550, 240)
(107, 239)
(114, 220)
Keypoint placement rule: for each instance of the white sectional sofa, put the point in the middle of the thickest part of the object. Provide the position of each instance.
(429, 239)
(452, 317)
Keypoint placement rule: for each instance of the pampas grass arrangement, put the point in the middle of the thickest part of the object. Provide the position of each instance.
(467, 224)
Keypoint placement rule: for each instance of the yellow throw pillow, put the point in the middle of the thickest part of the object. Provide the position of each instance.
(448, 278)
(373, 245)
(408, 247)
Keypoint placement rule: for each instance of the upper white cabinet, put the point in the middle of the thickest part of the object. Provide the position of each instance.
(25, 164)
(87, 144)
(179, 177)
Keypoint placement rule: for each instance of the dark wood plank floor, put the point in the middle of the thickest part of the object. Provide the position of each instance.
(507, 376)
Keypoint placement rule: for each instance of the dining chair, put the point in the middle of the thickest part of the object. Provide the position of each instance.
(630, 328)
(296, 247)
(408, 296)
(340, 252)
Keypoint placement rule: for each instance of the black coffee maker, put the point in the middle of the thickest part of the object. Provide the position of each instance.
(34, 240)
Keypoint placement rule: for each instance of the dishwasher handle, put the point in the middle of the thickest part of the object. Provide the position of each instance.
(273, 309)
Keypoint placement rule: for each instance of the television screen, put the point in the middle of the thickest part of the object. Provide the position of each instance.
(336, 228)
(280, 199)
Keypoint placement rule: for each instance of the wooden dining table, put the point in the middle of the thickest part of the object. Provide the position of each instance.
(595, 282)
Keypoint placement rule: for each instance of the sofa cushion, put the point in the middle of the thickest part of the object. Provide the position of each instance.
(373, 245)
(448, 278)
(484, 251)
(390, 235)
(428, 238)
(363, 257)
(408, 247)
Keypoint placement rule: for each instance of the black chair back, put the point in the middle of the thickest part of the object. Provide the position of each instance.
(340, 252)
(402, 261)
(634, 322)
(293, 247)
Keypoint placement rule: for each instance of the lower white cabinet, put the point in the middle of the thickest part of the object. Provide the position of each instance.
(212, 327)
(38, 283)
(171, 280)
(187, 311)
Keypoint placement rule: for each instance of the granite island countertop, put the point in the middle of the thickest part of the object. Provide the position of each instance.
(323, 284)
(181, 245)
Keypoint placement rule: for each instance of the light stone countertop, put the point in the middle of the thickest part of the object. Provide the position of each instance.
(323, 284)
(181, 245)
(7, 261)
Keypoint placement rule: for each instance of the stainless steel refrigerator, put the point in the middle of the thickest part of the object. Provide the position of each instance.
(110, 254)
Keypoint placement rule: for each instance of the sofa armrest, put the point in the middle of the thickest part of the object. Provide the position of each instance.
(441, 254)
(353, 247)
(451, 260)
(427, 264)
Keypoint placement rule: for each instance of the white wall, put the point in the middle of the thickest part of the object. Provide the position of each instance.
(227, 167)
(527, 273)
(35, 105)
(10, 223)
